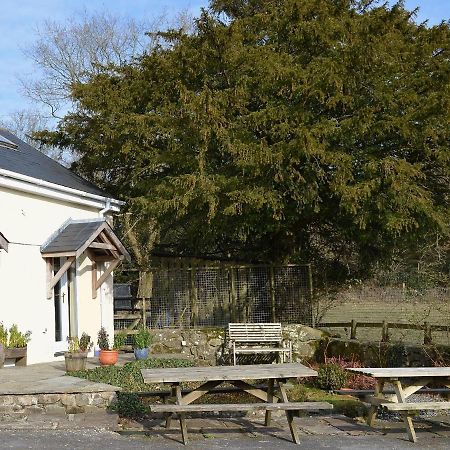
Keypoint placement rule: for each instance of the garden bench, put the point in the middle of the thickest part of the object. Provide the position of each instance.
(257, 338)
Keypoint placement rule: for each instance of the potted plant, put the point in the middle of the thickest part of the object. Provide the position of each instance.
(109, 356)
(141, 343)
(76, 356)
(3, 343)
(16, 344)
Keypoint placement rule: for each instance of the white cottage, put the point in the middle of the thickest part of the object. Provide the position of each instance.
(57, 250)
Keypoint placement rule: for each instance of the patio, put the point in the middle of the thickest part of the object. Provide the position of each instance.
(43, 394)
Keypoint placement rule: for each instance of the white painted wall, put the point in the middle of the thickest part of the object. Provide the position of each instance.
(27, 221)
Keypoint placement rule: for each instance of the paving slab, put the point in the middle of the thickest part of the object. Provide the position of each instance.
(48, 378)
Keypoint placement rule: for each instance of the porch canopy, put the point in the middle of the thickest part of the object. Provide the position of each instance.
(3, 243)
(96, 238)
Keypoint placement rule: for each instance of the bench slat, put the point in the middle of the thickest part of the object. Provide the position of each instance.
(261, 350)
(290, 406)
(416, 406)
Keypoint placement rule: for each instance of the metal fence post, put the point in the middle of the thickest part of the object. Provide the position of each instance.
(272, 294)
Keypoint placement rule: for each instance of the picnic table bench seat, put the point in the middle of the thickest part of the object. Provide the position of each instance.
(288, 407)
(238, 407)
(257, 338)
(421, 406)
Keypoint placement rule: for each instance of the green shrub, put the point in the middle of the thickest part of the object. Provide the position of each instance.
(119, 340)
(129, 404)
(76, 345)
(3, 335)
(397, 356)
(331, 377)
(85, 342)
(143, 338)
(17, 339)
(103, 339)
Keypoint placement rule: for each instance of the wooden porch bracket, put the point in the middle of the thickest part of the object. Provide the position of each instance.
(53, 279)
(96, 283)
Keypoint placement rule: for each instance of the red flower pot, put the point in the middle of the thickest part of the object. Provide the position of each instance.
(108, 357)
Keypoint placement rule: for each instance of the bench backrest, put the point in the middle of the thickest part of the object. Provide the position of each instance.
(255, 332)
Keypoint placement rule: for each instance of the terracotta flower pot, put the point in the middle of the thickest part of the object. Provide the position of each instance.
(75, 361)
(108, 357)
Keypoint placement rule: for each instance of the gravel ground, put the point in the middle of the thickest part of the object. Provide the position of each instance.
(416, 398)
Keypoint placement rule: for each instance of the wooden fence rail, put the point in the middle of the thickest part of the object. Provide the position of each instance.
(426, 327)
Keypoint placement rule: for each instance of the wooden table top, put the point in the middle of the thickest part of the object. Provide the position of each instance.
(224, 373)
(403, 372)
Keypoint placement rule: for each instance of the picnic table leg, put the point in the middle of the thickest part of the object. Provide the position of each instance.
(289, 414)
(270, 389)
(173, 393)
(373, 409)
(406, 417)
(182, 415)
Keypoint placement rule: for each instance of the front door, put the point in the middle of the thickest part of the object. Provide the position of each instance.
(61, 295)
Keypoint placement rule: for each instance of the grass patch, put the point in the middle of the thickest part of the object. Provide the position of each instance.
(128, 376)
(343, 404)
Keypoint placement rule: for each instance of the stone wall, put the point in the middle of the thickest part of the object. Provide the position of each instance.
(208, 346)
(16, 406)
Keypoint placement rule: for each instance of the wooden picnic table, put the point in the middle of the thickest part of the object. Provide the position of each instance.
(274, 397)
(406, 381)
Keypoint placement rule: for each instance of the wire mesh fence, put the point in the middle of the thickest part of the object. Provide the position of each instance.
(192, 297)
(215, 296)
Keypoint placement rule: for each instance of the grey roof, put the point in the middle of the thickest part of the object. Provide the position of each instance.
(71, 236)
(27, 160)
(75, 236)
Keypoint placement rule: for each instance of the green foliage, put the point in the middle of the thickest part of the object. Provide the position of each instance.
(129, 405)
(76, 345)
(17, 339)
(143, 338)
(3, 335)
(103, 339)
(397, 355)
(119, 340)
(85, 342)
(342, 404)
(278, 131)
(331, 377)
(129, 375)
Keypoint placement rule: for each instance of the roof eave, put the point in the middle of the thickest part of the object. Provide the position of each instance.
(44, 188)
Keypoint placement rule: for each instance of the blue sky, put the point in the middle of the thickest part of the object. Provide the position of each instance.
(20, 18)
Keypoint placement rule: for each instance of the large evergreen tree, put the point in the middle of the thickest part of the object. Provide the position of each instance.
(278, 130)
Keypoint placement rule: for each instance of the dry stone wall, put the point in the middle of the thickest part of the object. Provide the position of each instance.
(209, 346)
(20, 406)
